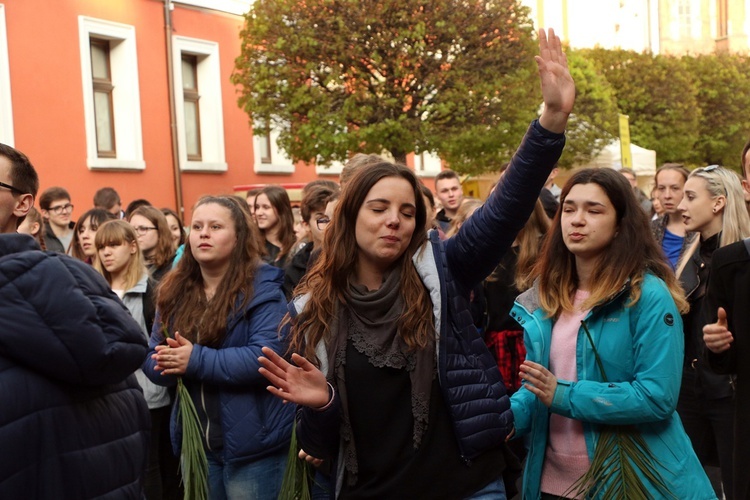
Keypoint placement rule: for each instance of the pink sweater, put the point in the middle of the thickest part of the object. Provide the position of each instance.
(566, 458)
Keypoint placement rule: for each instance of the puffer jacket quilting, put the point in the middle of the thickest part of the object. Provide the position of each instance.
(253, 422)
(73, 421)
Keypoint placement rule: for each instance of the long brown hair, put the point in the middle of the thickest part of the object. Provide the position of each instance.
(631, 254)
(164, 250)
(181, 298)
(279, 200)
(328, 278)
(529, 241)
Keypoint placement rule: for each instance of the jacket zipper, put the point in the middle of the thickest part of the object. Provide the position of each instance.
(438, 251)
(208, 419)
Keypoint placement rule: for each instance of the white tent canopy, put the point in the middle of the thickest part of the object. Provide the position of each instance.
(644, 160)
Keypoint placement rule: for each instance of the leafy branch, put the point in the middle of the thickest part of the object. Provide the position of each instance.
(620, 455)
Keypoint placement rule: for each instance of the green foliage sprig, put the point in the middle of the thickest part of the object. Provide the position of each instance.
(296, 482)
(620, 455)
(193, 462)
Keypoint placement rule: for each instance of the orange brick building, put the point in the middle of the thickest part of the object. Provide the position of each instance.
(97, 94)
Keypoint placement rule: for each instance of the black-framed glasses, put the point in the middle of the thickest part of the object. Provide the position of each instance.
(322, 223)
(62, 208)
(143, 229)
(12, 188)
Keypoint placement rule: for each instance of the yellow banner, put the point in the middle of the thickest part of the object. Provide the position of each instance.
(626, 157)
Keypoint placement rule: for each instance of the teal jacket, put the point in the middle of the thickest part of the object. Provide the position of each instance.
(641, 348)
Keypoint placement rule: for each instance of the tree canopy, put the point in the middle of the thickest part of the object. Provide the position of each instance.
(333, 77)
(723, 94)
(594, 123)
(659, 96)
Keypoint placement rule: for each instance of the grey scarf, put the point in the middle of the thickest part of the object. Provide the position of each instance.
(370, 320)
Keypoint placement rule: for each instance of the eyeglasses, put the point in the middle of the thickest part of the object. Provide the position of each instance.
(144, 229)
(322, 223)
(61, 208)
(14, 189)
(710, 168)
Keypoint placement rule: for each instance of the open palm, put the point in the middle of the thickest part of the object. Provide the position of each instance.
(558, 88)
(300, 383)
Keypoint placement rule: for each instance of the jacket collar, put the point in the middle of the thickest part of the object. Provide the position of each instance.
(141, 286)
(529, 299)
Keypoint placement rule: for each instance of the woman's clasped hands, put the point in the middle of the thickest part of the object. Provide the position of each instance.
(173, 358)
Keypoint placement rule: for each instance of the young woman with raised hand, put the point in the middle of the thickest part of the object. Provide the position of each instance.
(154, 239)
(273, 214)
(604, 344)
(396, 385)
(713, 206)
(82, 246)
(121, 263)
(220, 305)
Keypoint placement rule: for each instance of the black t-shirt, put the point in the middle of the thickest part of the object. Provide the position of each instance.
(380, 411)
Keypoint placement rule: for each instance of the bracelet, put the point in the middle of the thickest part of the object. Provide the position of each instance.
(332, 392)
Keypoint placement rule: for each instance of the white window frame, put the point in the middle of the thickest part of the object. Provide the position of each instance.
(126, 97)
(427, 164)
(6, 103)
(280, 162)
(333, 168)
(211, 112)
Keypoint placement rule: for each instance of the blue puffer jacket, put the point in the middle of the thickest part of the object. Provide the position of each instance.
(245, 419)
(73, 421)
(641, 349)
(469, 378)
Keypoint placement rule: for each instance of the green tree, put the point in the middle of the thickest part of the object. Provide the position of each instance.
(659, 96)
(594, 123)
(337, 76)
(724, 103)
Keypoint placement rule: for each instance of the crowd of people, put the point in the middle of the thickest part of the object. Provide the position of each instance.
(420, 343)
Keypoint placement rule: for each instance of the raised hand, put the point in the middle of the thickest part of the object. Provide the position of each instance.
(302, 384)
(558, 88)
(716, 335)
(540, 381)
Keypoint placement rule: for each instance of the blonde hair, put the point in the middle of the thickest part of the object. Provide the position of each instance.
(115, 233)
(467, 207)
(735, 221)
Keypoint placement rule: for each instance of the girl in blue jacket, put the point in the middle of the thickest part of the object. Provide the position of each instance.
(397, 387)
(604, 346)
(221, 304)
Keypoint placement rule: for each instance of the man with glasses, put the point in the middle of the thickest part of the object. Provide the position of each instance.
(58, 226)
(19, 184)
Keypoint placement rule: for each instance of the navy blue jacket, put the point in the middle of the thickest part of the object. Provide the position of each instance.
(247, 421)
(468, 374)
(73, 421)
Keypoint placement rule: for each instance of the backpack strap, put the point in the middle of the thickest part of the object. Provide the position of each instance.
(747, 244)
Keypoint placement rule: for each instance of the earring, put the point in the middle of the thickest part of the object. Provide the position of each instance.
(714, 210)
